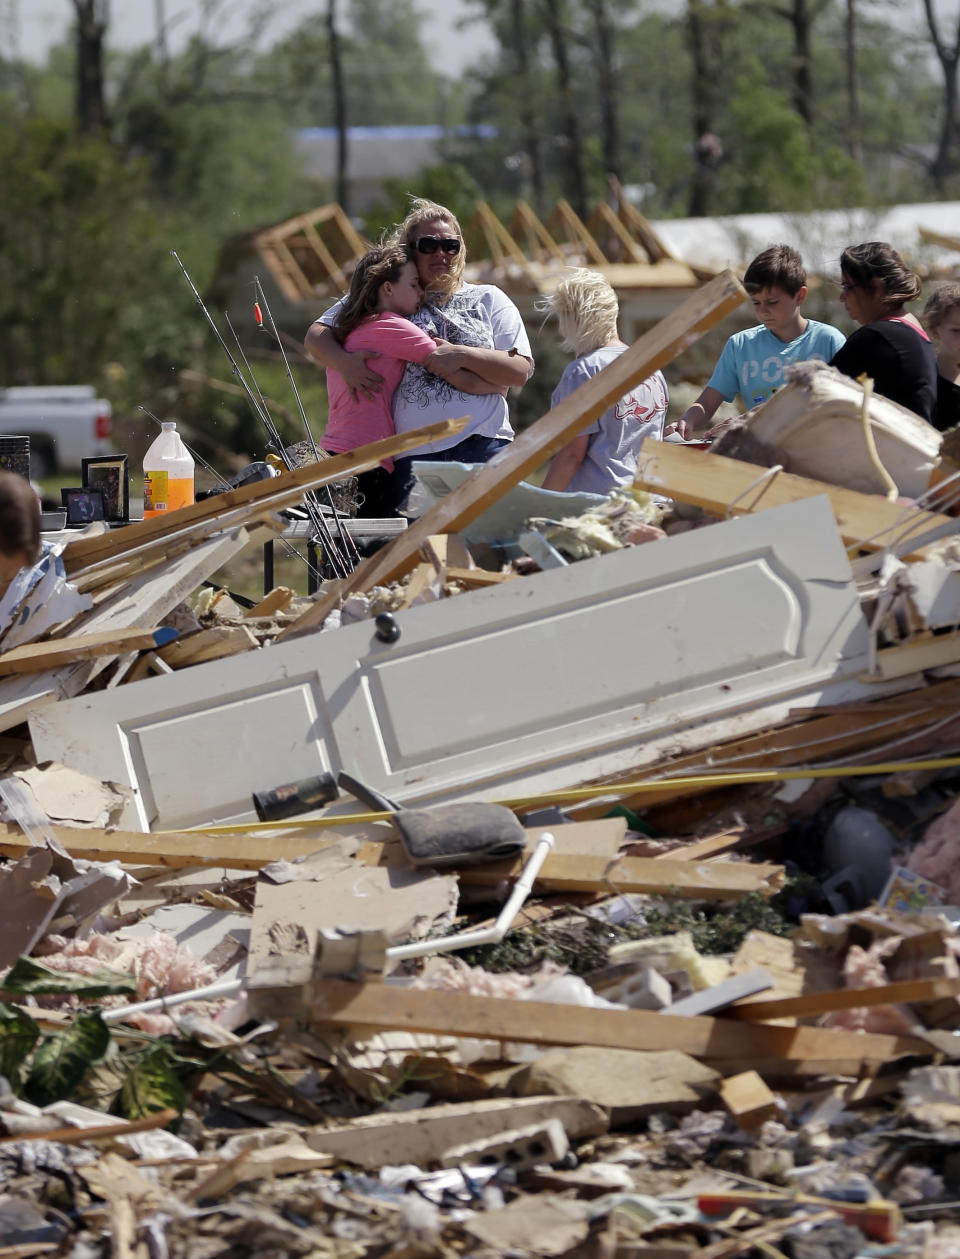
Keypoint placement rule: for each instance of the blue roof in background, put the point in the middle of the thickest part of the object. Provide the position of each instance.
(430, 132)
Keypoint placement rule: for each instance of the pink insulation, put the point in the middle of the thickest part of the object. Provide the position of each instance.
(937, 856)
(864, 968)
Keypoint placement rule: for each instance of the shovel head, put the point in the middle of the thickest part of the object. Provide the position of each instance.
(459, 834)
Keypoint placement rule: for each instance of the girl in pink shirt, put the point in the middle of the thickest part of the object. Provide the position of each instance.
(385, 289)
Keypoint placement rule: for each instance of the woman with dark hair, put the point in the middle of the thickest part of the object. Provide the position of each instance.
(890, 346)
(478, 330)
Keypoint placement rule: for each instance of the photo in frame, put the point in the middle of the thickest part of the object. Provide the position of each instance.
(109, 474)
(83, 505)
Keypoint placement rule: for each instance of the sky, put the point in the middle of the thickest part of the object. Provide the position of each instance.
(42, 23)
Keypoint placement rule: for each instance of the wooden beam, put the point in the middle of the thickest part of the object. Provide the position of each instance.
(549, 434)
(337, 1003)
(270, 495)
(174, 849)
(565, 872)
(907, 992)
(729, 486)
(33, 657)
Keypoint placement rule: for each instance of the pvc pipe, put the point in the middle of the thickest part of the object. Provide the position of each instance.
(486, 935)
(226, 988)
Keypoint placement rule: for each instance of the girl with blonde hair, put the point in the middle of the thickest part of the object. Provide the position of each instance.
(604, 455)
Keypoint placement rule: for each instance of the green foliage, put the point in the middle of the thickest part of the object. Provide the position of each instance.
(714, 928)
(151, 1084)
(18, 1035)
(28, 977)
(63, 1058)
(451, 185)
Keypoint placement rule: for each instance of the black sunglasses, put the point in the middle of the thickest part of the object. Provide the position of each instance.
(430, 244)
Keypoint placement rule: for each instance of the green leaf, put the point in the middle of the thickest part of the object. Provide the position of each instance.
(63, 1059)
(32, 978)
(151, 1085)
(18, 1035)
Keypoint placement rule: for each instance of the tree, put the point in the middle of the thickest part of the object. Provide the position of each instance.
(339, 104)
(93, 17)
(948, 55)
(608, 85)
(576, 181)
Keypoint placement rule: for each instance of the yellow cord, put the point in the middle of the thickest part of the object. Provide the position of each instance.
(618, 789)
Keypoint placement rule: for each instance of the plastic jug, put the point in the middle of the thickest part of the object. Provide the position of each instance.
(168, 471)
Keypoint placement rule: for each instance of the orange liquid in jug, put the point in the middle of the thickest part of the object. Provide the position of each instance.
(163, 493)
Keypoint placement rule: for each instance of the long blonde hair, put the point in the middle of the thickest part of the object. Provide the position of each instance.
(406, 233)
(586, 309)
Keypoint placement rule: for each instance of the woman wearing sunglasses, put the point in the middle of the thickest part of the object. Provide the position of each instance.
(478, 330)
(890, 346)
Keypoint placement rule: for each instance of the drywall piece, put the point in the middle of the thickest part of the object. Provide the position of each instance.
(629, 1083)
(423, 1136)
(198, 928)
(651, 644)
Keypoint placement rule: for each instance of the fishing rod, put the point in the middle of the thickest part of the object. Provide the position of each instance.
(262, 414)
(313, 509)
(345, 538)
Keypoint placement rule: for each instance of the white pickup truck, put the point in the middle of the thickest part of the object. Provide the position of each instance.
(65, 424)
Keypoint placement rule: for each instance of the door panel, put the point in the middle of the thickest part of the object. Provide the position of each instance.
(543, 681)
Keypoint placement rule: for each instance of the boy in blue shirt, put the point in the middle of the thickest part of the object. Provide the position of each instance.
(753, 362)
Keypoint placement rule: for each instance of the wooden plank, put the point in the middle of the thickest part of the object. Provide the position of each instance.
(209, 644)
(748, 1099)
(278, 600)
(32, 657)
(478, 576)
(549, 434)
(729, 486)
(270, 495)
(174, 849)
(915, 657)
(569, 872)
(336, 1003)
(908, 991)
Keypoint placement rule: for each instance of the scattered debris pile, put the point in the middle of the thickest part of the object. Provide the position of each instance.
(649, 952)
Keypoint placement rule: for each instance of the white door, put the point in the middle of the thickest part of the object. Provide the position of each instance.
(546, 681)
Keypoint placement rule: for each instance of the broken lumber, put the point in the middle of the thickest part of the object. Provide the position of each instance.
(576, 872)
(724, 487)
(549, 434)
(906, 992)
(376, 1006)
(748, 1099)
(32, 657)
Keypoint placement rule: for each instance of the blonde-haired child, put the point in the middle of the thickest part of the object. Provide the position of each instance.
(604, 455)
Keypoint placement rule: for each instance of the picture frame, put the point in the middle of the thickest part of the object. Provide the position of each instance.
(111, 475)
(83, 505)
